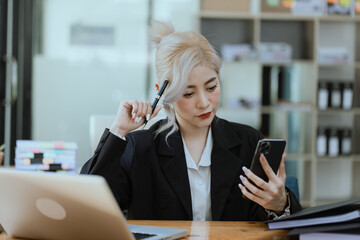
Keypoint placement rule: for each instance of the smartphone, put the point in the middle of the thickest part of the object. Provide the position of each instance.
(273, 150)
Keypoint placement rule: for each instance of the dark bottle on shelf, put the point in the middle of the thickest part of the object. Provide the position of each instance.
(347, 99)
(335, 95)
(323, 96)
(346, 142)
(333, 142)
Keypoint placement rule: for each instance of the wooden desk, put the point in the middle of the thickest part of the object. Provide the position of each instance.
(220, 230)
(212, 230)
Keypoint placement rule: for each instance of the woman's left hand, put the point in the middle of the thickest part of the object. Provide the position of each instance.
(272, 194)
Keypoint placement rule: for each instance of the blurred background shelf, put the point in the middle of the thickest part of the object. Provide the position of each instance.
(254, 89)
(287, 108)
(355, 111)
(225, 14)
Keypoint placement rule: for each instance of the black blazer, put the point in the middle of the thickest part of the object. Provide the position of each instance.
(148, 176)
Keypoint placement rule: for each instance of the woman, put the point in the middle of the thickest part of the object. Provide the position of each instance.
(192, 165)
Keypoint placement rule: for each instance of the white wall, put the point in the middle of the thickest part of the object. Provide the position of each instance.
(72, 82)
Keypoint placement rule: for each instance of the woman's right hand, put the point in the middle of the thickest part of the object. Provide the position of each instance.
(131, 115)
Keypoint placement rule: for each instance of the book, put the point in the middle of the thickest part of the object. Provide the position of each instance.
(321, 211)
(46, 156)
(348, 216)
(307, 212)
(357, 7)
(329, 236)
(335, 227)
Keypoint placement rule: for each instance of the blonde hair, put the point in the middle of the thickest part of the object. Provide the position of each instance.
(177, 53)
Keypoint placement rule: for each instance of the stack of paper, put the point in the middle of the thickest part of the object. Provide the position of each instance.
(45, 156)
(237, 52)
(275, 52)
(333, 55)
(339, 220)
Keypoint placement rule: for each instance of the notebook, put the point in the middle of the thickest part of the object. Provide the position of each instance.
(57, 206)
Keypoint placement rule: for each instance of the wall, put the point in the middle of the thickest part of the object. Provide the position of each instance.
(73, 81)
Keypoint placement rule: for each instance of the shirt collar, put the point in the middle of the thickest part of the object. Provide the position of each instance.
(205, 159)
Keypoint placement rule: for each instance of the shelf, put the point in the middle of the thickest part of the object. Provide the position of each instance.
(291, 17)
(276, 16)
(263, 16)
(337, 158)
(306, 203)
(240, 62)
(337, 18)
(329, 201)
(272, 109)
(355, 111)
(285, 17)
(226, 15)
(357, 18)
(292, 62)
(337, 65)
(305, 34)
(300, 157)
(287, 108)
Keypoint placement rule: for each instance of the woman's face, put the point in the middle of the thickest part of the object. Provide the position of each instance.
(198, 105)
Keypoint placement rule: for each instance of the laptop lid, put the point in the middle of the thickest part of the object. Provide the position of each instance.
(58, 206)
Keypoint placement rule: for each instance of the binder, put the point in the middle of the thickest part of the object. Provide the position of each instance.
(326, 210)
(319, 220)
(338, 227)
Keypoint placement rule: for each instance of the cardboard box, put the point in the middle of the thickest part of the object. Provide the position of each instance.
(226, 5)
(337, 7)
(308, 7)
(357, 7)
(296, 7)
(278, 6)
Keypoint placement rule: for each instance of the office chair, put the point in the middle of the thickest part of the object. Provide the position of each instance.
(292, 184)
(97, 125)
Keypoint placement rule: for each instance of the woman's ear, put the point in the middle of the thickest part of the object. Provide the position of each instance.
(157, 86)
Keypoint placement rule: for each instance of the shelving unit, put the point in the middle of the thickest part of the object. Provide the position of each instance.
(321, 179)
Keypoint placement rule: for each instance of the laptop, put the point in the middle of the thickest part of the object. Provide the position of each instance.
(42, 205)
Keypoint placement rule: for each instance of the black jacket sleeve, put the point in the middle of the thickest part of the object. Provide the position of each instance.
(107, 162)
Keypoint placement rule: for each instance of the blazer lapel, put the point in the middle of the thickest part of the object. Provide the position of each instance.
(172, 161)
(225, 166)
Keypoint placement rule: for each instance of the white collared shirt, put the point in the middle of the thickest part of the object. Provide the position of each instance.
(200, 181)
